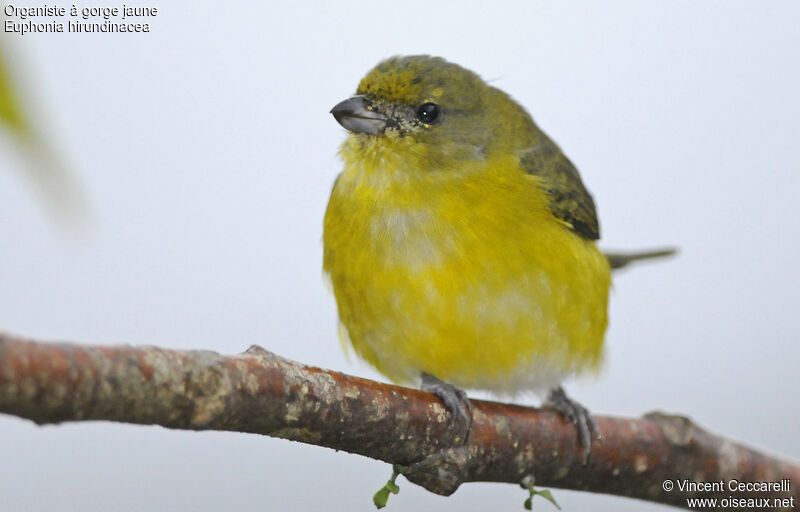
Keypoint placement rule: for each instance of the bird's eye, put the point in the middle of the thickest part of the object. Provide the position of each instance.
(428, 113)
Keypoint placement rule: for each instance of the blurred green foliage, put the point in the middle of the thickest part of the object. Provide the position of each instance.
(42, 165)
(11, 114)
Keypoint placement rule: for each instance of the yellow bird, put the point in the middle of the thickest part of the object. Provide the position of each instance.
(460, 241)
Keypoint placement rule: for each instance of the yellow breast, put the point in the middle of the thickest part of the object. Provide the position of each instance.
(464, 274)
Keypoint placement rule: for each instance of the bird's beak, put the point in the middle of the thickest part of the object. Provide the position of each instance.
(357, 114)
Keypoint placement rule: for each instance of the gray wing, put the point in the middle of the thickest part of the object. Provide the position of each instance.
(569, 199)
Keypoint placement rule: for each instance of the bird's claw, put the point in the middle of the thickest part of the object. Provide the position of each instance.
(579, 416)
(455, 401)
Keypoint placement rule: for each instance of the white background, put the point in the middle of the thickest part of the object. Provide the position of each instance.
(208, 153)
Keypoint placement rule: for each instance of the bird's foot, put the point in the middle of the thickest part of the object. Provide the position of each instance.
(455, 401)
(442, 472)
(576, 414)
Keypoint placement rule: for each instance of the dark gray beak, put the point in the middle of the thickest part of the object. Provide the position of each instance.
(358, 115)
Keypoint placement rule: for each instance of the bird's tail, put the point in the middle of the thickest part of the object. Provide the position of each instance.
(619, 260)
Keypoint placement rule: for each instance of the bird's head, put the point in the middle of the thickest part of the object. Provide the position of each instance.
(436, 111)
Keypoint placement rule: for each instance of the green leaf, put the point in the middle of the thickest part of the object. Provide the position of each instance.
(11, 115)
(546, 494)
(42, 165)
(527, 483)
(381, 497)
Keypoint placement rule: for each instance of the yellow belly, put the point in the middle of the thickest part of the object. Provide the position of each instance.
(469, 278)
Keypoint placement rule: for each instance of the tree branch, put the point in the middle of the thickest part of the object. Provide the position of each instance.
(261, 393)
